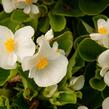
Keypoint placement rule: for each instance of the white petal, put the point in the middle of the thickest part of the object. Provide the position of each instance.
(26, 32)
(103, 59)
(29, 62)
(52, 74)
(97, 36)
(77, 83)
(106, 78)
(27, 9)
(8, 61)
(34, 9)
(101, 22)
(5, 33)
(45, 49)
(82, 107)
(8, 5)
(104, 70)
(105, 42)
(49, 35)
(24, 44)
(105, 104)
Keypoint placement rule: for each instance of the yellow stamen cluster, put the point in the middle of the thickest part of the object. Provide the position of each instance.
(102, 30)
(42, 63)
(10, 45)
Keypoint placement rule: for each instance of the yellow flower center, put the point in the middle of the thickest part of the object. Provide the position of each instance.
(10, 45)
(28, 1)
(102, 30)
(42, 63)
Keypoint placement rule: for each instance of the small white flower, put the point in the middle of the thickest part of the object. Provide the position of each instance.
(27, 5)
(46, 67)
(103, 62)
(49, 36)
(103, 31)
(77, 83)
(14, 47)
(105, 104)
(82, 107)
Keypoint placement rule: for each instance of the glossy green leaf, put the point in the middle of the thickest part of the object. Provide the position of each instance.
(64, 97)
(19, 16)
(93, 7)
(97, 84)
(57, 22)
(66, 8)
(65, 41)
(4, 76)
(89, 50)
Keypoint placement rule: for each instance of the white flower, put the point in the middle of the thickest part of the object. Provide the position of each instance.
(103, 61)
(14, 47)
(27, 5)
(77, 83)
(46, 67)
(82, 107)
(105, 104)
(103, 31)
(48, 37)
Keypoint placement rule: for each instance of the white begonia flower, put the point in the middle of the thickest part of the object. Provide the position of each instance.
(49, 91)
(77, 83)
(27, 5)
(103, 62)
(9, 5)
(82, 107)
(105, 104)
(46, 67)
(49, 36)
(14, 47)
(102, 37)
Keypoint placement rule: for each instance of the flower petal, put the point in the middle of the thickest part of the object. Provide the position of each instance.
(106, 78)
(5, 33)
(105, 104)
(52, 74)
(27, 9)
(34, 9)
(101, 22)
(8, 61)
(104, 70)
(49, 35)
(82, 107)
(77, 83)
(97, 36)
(24, 44)
(103, 59)
(8, 5)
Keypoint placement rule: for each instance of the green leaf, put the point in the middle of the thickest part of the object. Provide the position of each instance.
(57, 22)
(19, 16)
(68, 8)
(89, 50)
(88, 28)
(93, 7)
(65, 41)
(43, 24)
(64, 97)
(75, 64)
(4, 76)
(97, 84)
(4, 102)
